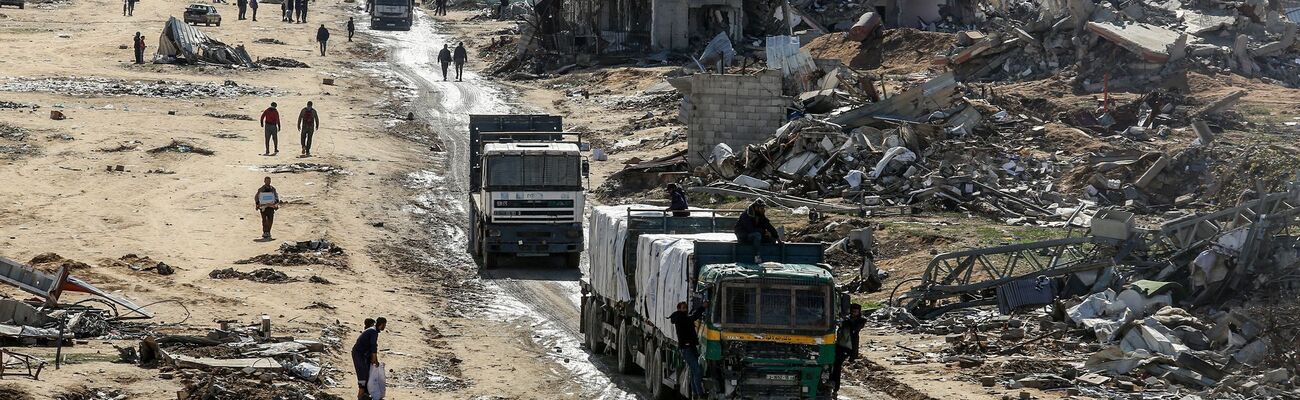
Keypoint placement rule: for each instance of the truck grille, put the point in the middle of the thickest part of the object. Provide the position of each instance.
(785, 351)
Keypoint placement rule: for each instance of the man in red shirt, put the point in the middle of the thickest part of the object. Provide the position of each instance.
(270, 121)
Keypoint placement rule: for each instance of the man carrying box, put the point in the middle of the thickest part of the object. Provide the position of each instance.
(267, 201)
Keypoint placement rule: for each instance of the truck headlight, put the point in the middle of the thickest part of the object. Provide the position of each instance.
(575, 233)
(491, 232)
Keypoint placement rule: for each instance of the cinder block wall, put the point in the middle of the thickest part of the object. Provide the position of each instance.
(734, 109)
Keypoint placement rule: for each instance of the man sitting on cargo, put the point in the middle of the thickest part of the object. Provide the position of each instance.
(688, 343)
(677, 201)
(754, 228)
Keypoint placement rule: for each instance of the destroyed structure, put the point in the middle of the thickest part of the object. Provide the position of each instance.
(181, 43)
(1083, 116)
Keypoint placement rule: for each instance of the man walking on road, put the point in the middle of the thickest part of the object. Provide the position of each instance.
(322, 36)
(139, 48)
(243, 8)
(253, 5)
(352, 28)
(846, 342)
(365, 353)
(308, 123)
(270, 122)
(266, 201)
(459, 58)
(444, 58)
(689, 343)
(128, 8)
(286, 6)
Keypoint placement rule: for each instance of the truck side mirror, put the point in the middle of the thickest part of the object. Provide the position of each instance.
(845, 302)
(586, 168)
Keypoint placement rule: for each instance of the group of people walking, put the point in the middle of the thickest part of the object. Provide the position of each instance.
(290, 11)
(447, 56)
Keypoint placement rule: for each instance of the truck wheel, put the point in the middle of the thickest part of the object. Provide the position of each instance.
(654, 373)
(489, 258)
(625, 363)
(595, 329)
(573, 260)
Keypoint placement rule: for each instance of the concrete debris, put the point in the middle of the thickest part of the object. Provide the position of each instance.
(262, 275)
(183, 147)
(312, 252)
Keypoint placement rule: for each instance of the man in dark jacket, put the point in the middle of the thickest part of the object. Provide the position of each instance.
(754, 228)
(846, 342)
(267, 200)
(677, 201)
(243, 8)
(286, 7)
(301, 7)
(688, 343)
(459, 57)
(139, 48)
(322, 36)
(308, 123)
(252, 4)
(352, 28)
(365, 353)
(444, 58)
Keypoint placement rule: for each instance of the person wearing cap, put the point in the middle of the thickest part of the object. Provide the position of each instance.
(754, 228)
(677, 201)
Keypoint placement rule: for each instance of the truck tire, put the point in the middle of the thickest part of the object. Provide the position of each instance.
(595, 331)
(625, 363)
(573, 260)
(490, 260)
(654, 373)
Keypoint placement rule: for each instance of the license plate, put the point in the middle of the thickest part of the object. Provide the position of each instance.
(780, 377)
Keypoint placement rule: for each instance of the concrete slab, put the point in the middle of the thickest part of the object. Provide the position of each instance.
(1147, 41)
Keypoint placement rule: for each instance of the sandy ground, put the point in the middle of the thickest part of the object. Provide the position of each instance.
(199, 218)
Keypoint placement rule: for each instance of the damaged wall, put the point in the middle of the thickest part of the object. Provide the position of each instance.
(673, 23)
(738, 110)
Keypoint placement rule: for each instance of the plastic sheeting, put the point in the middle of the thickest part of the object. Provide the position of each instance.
(606, 236)
(664, 274)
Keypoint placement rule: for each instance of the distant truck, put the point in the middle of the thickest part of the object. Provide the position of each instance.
(19, 3)
(769, 329)
(526, 188)
(392, 14)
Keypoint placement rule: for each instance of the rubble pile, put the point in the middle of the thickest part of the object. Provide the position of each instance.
(94, 86)
(261, 275)
(139, 264)
(239, 362)
(310, 252)
(302, 167)
(240, 117)
(281, 62)
(183, 147)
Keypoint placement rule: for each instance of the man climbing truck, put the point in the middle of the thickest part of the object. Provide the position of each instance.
(767, 330)
(526, 192)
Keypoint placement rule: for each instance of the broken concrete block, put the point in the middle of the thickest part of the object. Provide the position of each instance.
(1155, 170)
(1149, 42)
(1204, 136)
(1221, 104)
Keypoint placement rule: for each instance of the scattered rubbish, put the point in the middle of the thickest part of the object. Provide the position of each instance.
(137, 263)
(312, 252)
(182, 147)
(241, 117)
(269, 41)
(262, 275)
(95, 86)
(302, 167)
(123, 146)
(281, 62)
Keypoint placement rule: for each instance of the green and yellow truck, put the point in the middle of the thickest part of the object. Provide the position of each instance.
(768, 331)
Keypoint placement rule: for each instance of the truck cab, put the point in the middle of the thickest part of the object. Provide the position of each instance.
(526, 189)
(769, 331)
(392, 14)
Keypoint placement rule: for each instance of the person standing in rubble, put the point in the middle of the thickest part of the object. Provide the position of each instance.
(267, 200)
(754, 228)
(846, 342)
(677, 201)
(138, 43)
(243, 8)
(444, 58)
(252, 4)
(128, 8)
(688, 343)
(308, 123)
(365, 353)
(322, 36)
(352, 28)
(459, 57)
(270, 122)
(302, 11)
(501, 9)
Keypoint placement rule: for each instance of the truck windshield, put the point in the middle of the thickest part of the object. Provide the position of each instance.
(790, 307)
(520, 172)
(392, 2)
